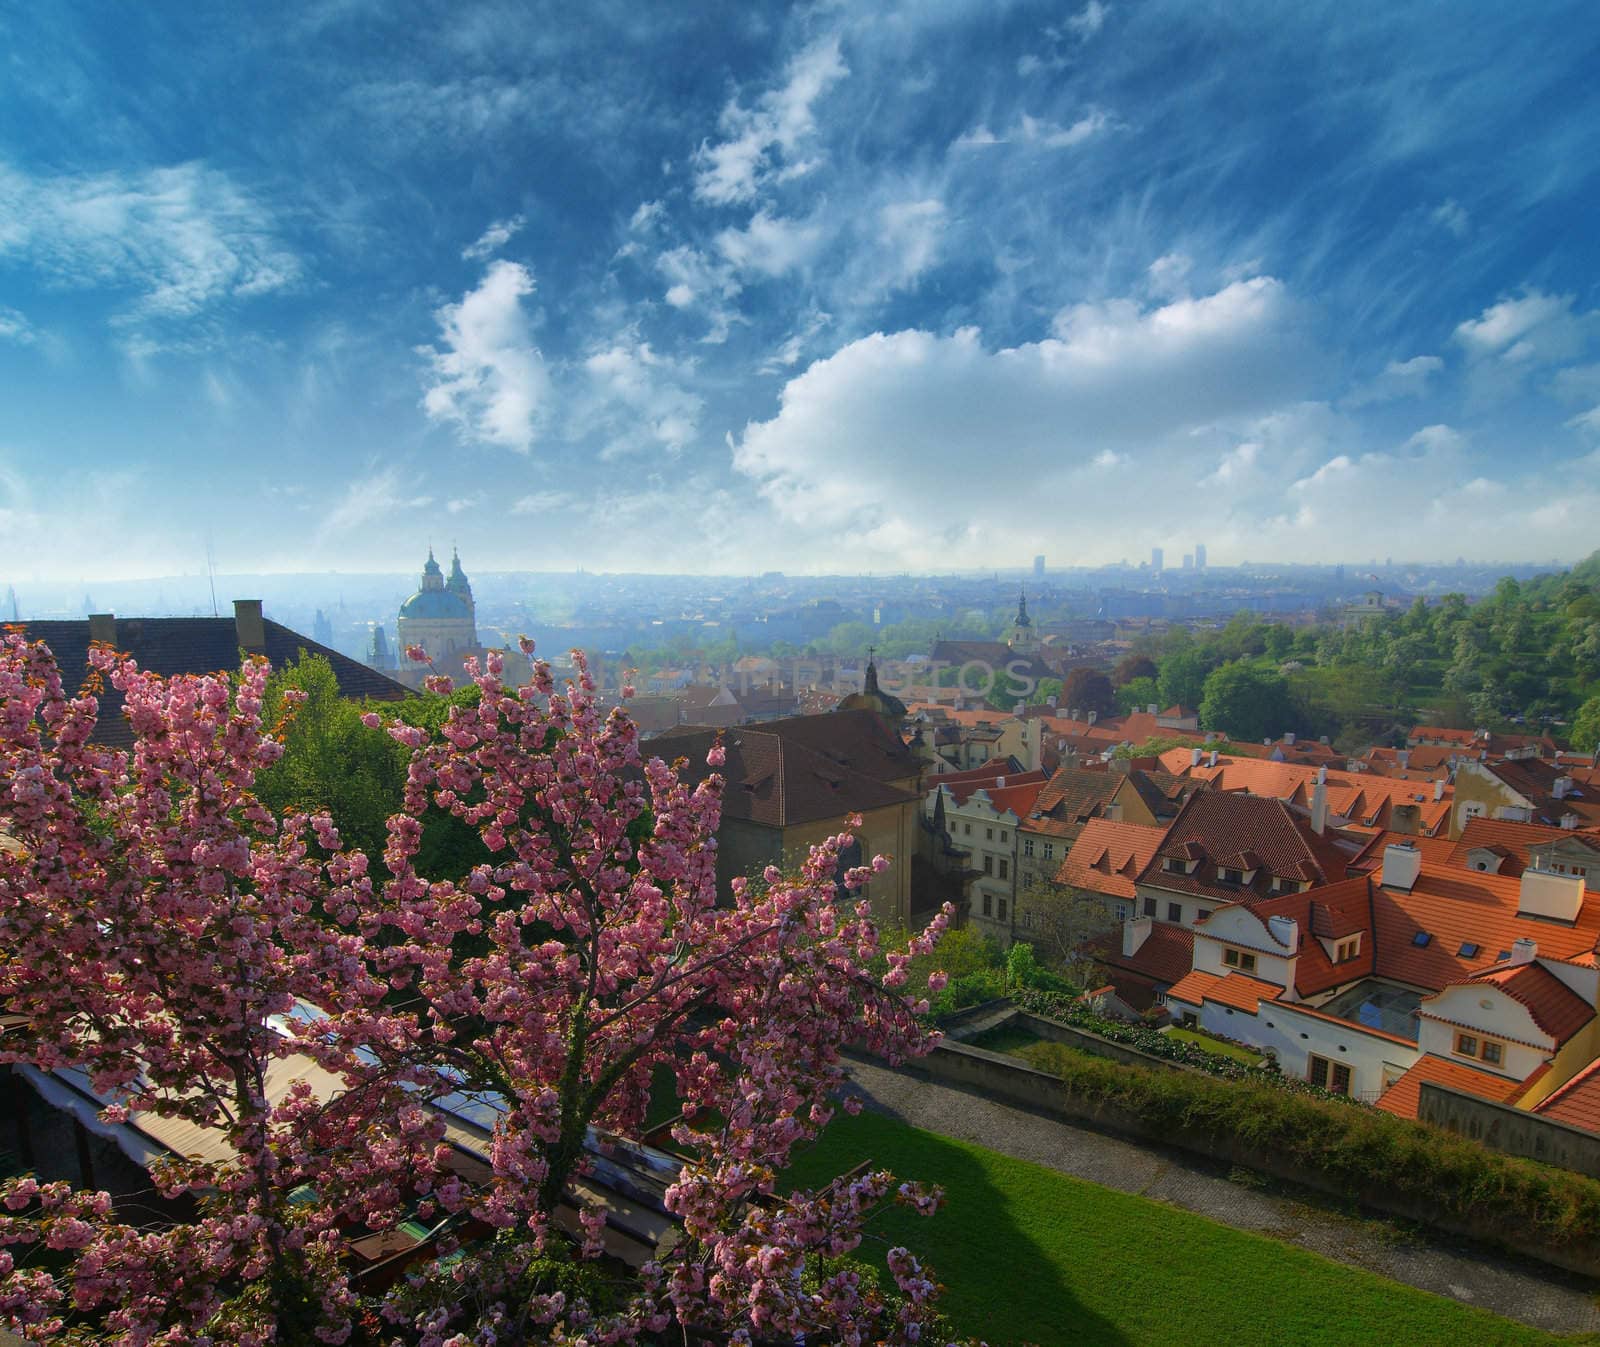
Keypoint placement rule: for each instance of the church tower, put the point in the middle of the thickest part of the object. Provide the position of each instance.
(441, 618)
(1022, 638)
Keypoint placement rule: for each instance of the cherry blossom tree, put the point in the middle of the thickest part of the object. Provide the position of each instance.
(168, 935)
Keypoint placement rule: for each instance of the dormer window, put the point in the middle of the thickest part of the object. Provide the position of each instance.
(1347, 949)
(1229, 875)
(1176, 866)
(1238, 958)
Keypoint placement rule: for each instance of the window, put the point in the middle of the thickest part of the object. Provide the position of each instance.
(988, 834)
(988, 865)
(1332, 1076)
(1231, 876)
(1468, 950)
(1346, 949)
(987, 904)
(1237, 958)
(1493, 1053)
(1175, 866)
(966, 829)
(1174, 911)
(1027, 846)
(1121, 911)
(1002, 909)
(1149, 907)
(1466, 1045)
(1004, 835)
(1005, 871)
(1202, 914)
(1190, 1021)
(1421, 939)
(1049, 851)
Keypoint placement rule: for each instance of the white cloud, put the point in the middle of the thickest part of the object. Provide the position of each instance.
(636, 400)
(732, 169)
(1400, 379)
(487, 376)
(695, 281)
(1453, 217)
(1587, 421)
(175, 240)
(1169, 273)
(1089, 20)
(908, 239)
(15, 327)
(1534, 328)
(1432, 440)
(770, 245)
(1039, 132)
(494, 238)
(463, 503)
(904, 426)
(645, 215)
(378, 496)
(542, 502)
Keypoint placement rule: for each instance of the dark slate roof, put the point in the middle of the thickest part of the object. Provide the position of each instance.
(194, 645)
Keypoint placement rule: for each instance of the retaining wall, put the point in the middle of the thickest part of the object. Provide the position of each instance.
(1513, 1130)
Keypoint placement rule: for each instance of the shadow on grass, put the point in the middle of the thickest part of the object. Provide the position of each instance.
(1002, 1274)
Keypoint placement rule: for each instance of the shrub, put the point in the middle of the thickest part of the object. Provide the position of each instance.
(1354, 1149)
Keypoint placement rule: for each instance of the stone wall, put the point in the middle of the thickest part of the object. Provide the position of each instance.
(1512, 1130)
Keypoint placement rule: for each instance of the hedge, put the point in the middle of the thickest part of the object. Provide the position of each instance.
(1356, 1149)
(1075, 1012)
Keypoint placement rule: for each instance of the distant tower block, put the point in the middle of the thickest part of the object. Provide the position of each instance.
(1038, 567)
(1199, 556)
(1156, 559)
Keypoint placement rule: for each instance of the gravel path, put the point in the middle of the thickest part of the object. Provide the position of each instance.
(1544, 1298)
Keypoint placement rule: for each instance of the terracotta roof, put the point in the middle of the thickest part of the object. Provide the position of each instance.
(1239, 990)
(1435, 849)
(1074, 794)
(1106, 857)
(1577, 1103)
(1512, 841)
(1535, 781)
(1020, 788)
(1166, 955)
(1162, 792)
(1405, 1094)
(1357, 796)
(1212, 826)
(195, 645)
(778, 775)
(1555, 1007)
(1463, 910)
(1332, 912)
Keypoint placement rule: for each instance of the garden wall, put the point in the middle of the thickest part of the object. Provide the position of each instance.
(1512, 1130)
(1004, 1078)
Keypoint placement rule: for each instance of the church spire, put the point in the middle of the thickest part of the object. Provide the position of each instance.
(1023, 620)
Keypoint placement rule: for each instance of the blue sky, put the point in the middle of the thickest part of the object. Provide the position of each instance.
(835, 287)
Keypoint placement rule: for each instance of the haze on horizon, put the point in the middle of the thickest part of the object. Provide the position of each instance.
(825, 289)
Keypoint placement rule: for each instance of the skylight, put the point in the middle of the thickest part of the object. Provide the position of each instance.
(1468, 950)
(1421, 938)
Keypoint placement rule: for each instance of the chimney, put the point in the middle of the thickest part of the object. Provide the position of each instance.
(1035, 743)
(1319, 808)
(1402, 863)
(103, 627)
(1150, 709)
(1561, 787)
(1550, 896)
(1213, 761)
(1288, 738)
(1523, 950)
(1323, 739)
(1322, 775)
(247, 623)
(1135, 931)
(1404, 755)
(1286, 931)
(1093, 716)
(1194, 757)
(1405, 819)
(1438, 790)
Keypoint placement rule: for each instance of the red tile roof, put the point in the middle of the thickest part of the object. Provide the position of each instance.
(1405, 1094)
(1331, 912)
(1029, 783)
(1577, 1103)
(1074, 794)
(1435, 849)
(1239, 990)
(1512, 841)
(1106, 857)
(1555, 1007)
(1166, 956)
(1215, 826)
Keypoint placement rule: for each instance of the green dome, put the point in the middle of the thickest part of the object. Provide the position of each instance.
(434, 604)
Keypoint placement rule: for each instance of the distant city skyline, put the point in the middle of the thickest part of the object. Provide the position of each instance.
(823, 289)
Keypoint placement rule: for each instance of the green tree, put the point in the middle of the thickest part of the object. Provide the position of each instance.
(1586, 726)
(1137, 695)
(1183, 677)
(1247, 702)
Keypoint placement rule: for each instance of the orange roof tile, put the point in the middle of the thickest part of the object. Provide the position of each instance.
(1577, 1103)
(1239, 990)
(1513, 840)
(1405, 1094)
(1107, 856)
(1555, 1007)
(1165, 956)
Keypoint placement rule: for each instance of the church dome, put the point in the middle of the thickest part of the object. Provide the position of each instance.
(875, 699)
(433, 604)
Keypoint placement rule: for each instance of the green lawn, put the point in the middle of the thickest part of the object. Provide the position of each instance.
(1216, 1045)
(1032, 1256)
